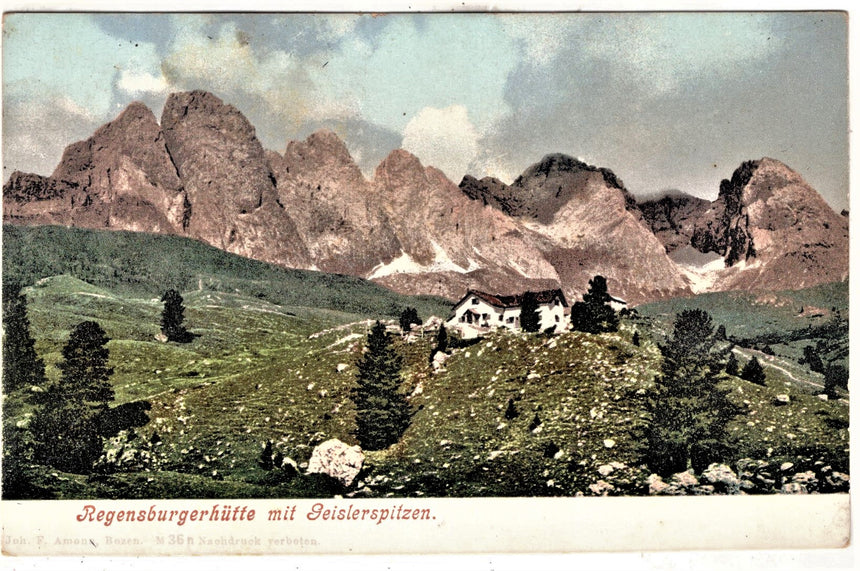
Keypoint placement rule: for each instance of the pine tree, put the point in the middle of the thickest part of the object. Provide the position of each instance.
(753, 372)
(688, 410)
(409, 317)
(812, 358)
(636, 340)
(442, 339)
(22, 368)
(835, 376)
(66, 426)
(529, 316)
(382, 411)
(732, 365)
(594, 314)
(172, 317)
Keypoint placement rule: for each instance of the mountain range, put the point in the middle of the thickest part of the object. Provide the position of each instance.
(202, 173)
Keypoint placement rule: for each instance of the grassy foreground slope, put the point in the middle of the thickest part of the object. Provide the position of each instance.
(261, 371)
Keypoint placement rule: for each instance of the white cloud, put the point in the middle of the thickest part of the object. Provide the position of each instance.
(135, 82)
(443, 138)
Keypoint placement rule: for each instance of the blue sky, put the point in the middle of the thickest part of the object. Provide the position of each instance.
(667, 101)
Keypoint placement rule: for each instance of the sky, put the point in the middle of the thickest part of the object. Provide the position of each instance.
(668, 101)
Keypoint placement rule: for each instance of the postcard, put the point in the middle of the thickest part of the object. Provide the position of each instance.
(393, 283)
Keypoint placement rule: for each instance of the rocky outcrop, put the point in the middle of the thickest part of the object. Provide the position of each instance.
(448, 242)
(338, 460)
(672, 218)
(543, 188)
(773, 230)
(587, 224)
(345, 228)
(121, 177)
(233, 203)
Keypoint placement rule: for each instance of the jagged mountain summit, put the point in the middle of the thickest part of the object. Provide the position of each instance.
(202, 173)
(767, 229)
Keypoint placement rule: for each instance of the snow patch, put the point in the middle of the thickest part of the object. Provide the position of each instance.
(404, 264)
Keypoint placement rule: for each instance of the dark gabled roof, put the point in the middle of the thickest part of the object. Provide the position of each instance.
(508, 301)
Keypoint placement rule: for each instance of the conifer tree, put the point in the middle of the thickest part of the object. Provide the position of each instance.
(594, 314)
(22, 368)
(382, 411)
(442, 339)
(732, 365)
(66, 426)
(835, 376)
(688, 410)
(408, 318)
(753, 372)
(529, 315)
(172, 317)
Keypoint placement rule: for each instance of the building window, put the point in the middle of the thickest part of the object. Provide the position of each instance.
(474, 301)
(510, 319)
(557, 319)
(501, 318)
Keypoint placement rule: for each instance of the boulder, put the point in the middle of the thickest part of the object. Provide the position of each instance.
(722, 478)
(838, 482)
(781, 400)
(439, 359)
(684, 479)
(793, 488)
(657, 487)
(601, 488)
(338, 460)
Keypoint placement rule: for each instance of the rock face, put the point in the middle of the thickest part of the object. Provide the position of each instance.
(771, 229)
(202, 173)
(448, 242)
(331, 202)
(231, 192)
(673, 218)
(338, 460)
(587, 224)
(121, 177)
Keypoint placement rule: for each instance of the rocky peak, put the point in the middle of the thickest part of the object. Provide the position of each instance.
(130, 147)
(544, 187)
(323, 150)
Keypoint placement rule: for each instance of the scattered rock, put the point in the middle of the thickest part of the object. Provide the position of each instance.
(289, 467)
(657, 487)
(341, 367)
(723, 479)
(439, 361)
(609, 443)
(786, 466)
(606, 469)
(601, 488)
(792, 488)
(338, 460)
(823, 396)
(685, 479)
(781, 400)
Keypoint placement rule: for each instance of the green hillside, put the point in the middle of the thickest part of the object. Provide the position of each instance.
(259, 371)
(146, 265)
